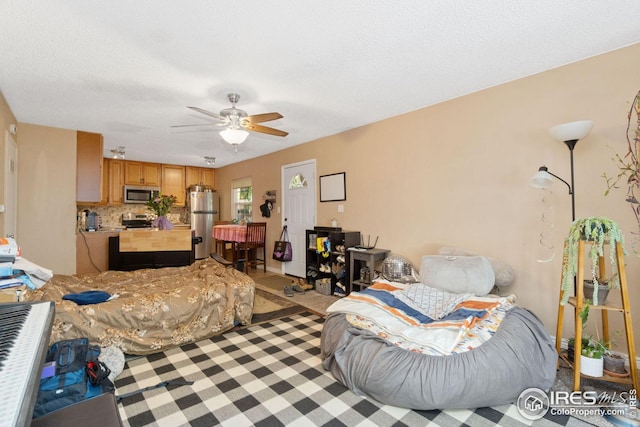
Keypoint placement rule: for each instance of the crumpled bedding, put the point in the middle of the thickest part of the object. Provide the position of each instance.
(386, 309)
(155, 309)
(520, 354)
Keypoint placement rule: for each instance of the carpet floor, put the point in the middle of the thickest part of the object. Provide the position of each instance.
(268, 306)
(314, 301)
(271, 374)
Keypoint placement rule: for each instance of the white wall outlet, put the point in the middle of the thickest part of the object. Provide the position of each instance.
(2, 208)
(340, 208)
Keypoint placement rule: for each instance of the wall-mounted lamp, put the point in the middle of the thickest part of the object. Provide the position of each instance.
(210, 160)
(569, 133)
(117, 153)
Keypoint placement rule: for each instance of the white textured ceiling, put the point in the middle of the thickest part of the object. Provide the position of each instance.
(129, 69)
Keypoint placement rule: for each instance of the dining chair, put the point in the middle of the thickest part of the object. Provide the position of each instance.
(255, 240)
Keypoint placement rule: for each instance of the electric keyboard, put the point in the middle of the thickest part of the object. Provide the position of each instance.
(25, 329)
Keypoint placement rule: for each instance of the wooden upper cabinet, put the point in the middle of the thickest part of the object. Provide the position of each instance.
(89, 154)
(112, 182)
(116, 182)
(142, 173)
(173, 182)
(105, 181)
(196, 175)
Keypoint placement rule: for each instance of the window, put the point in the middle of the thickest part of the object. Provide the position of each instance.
(297, 181)
(242, 199)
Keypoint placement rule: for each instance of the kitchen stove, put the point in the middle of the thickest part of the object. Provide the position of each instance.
(132, 220)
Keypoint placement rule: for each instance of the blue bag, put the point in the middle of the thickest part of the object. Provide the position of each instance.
(79, 376)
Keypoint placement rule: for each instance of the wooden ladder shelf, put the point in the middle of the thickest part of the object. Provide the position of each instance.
(578, 302)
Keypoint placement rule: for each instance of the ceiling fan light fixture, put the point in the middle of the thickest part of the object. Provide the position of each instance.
(234, 136)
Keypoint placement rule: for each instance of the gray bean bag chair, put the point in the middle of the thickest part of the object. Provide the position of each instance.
(519, 355)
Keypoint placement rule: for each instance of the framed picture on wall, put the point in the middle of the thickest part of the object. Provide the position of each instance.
(333, 188)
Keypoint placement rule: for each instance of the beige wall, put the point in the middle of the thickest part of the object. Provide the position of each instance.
(453, 174)
(458, 173)
(6, 118)
(47, 196)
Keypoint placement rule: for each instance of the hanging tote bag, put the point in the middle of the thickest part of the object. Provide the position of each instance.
(282, 247)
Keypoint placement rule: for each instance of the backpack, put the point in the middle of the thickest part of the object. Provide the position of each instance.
(79, 375)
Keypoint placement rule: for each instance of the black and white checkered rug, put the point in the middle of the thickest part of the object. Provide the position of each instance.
(271, 375)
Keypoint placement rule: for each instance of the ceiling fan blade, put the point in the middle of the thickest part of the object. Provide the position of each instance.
(264, 129)
(208, 113)
(266, 117)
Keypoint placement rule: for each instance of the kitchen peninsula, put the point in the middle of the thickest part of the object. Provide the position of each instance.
(143, 248)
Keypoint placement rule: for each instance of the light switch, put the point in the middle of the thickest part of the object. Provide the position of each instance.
(340, 208)
(2, 208)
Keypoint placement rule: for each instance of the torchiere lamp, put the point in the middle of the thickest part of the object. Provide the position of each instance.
(569, 133)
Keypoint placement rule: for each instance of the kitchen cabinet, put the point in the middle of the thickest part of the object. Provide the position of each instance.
(195, 175)
(173, 182)
(114, 189)
(89, 148)
(142, 173)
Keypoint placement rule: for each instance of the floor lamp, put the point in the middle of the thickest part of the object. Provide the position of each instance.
(569, 133)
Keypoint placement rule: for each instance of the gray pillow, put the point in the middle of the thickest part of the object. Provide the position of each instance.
(458, 274)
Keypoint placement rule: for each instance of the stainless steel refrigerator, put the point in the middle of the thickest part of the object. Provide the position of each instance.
(203, 206)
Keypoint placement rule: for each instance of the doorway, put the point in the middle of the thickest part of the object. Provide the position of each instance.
(10, 215)
(298, 211)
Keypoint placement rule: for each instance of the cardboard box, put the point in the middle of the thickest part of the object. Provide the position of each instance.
(13, 294)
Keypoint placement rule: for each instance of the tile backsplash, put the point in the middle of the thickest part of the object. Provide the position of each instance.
(111, 216)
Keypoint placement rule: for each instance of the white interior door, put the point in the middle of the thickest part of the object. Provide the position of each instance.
(10, 215)
(298, 211)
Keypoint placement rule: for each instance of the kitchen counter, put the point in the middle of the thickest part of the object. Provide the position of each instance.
(92, 251)
(144, 248)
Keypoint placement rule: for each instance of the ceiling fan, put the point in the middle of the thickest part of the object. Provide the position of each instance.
(236, 121)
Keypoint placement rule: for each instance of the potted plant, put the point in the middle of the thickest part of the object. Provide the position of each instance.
(603, 289)
(614, 363)
(161, 206)
(629, 166)
(591, 357)
(596, 230)
(584, 315)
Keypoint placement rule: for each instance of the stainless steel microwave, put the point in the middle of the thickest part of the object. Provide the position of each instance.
(138, 194)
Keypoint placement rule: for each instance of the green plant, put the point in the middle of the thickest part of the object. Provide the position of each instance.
(161, 204)
(629, 165)
(596, 230)
(584, 313)
(593, 348)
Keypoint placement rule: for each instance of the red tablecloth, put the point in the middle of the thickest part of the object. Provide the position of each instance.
(229, 232)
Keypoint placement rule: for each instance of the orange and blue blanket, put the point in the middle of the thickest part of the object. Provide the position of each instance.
(471, 320)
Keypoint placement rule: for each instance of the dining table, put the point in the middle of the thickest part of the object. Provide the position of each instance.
(229, 234)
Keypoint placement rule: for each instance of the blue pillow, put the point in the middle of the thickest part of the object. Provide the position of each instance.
(88, 297)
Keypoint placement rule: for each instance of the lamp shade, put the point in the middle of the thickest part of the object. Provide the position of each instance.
(541, 179)
(571, 131)
(234, 136)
